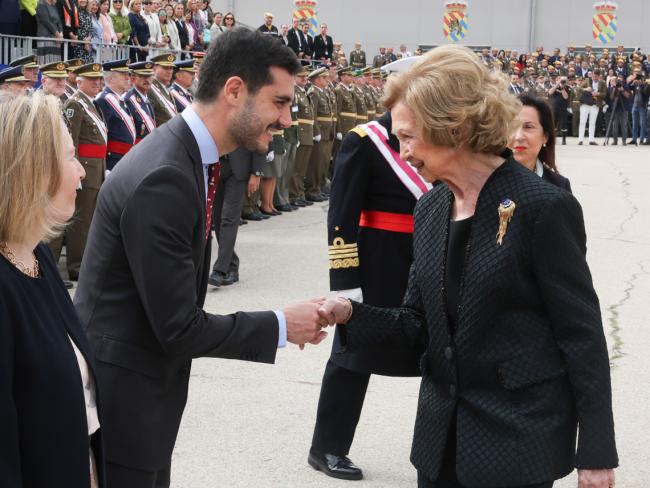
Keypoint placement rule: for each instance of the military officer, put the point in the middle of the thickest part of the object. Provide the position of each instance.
(163, 104)
(357, 57)
(323, 136)
(53, 76)
(380, 59)
(574, 96)
(360, 97)
(13, 81)
(306, 114)
(137, 99)
(71, 82)
(282, 197)
(338, 137)
(119, 123)
(346, 117)
(90, 137)
(30, 68)
(378, 91)
(183, 78)
(368, 93)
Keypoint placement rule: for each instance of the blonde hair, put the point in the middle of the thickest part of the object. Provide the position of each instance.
(456, 100)
(31, 134)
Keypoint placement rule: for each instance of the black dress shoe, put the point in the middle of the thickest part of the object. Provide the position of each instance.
(252, 216)
(593, 143)
(298, 204)
(306, 202)
(242, 222)
(285, 208)
(216, 279)
(580, 143)
(230, 278)
(335, 466)
(264, 217)
(269, 214)
(314, 198)
(294, 207)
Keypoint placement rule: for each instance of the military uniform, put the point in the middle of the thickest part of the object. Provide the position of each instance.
(182, 97)
(370, 218)
(119, 123)
(89, 136)
(71, 66)
(291, 143)
(322, 150)
(139, 105)
(306, 116)
(576, 95)
(358, 59)
(360, 102)
(161, 99)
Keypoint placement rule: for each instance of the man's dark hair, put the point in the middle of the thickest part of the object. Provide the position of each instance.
(243, 53)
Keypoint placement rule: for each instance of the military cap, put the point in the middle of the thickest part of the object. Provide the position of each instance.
(367, 70)
(120, 66)
(166, 60)
(558, 63)
(588, 45)
(318, 73)
(73, 64)
(198, 57)
(187, 65)
(376, 73)
(142, 68)
(55, 70)
(346, 70)
(26, 62)
(90, 70)
(12, 74)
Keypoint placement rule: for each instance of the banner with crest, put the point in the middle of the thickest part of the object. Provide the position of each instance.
(604, 22)
(305, 11)
(454, 22)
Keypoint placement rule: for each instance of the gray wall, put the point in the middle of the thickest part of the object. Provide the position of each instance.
(499, 23)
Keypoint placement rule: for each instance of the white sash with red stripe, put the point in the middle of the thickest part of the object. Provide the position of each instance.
(101, 126)
(404, 171)
(146, 118)
(180, 97)
(114, 102)
(169, 106)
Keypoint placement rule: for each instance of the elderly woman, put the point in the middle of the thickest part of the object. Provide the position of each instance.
(139, 32)
(48, 412)
(120, 17)
(515, 355)
(533, 144)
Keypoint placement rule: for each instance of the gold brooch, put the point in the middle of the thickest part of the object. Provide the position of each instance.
(506, 211)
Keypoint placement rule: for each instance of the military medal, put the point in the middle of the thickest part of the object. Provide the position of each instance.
(506, 211)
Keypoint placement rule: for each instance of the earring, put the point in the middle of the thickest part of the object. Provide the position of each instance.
(544, 145)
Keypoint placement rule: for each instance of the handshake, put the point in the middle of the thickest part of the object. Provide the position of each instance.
(306, 320)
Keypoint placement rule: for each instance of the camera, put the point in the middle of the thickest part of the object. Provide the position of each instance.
(638, 77)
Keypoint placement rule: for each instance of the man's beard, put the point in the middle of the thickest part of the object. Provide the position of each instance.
(247, 127)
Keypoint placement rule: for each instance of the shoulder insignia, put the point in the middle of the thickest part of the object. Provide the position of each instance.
(69, 113)
(358, 130)
(342, 255)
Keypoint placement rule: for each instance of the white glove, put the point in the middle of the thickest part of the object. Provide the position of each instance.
(339, 136)
(605, 107)
(569, 110)
(317, 138)
(297, 144)
(270, 156)
(108, 172)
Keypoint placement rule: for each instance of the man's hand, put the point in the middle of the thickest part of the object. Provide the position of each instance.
(253, 184)
(304, 323)
(336, 311)
(595, 478)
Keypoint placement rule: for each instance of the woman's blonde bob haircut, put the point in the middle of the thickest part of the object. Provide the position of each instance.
(31, 156)
(457, 102)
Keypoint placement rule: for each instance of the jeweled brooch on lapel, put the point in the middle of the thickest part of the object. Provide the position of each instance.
(506, 211)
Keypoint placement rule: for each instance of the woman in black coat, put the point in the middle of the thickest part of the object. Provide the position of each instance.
(139, 32)
(49, 417)
(183, 35)
(533, 144)
(499, 295)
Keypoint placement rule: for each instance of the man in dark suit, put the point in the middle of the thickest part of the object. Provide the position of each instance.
(297, 40)
(144, 277)
(323, 44)
(309, 44)
(238, 173)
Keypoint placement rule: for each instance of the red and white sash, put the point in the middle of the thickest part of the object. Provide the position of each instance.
(114, 102)
(101, 126)
(169, 106)
(404, 171)
(146, 118)
(180, 97)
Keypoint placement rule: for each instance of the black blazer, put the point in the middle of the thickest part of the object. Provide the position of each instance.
(528, 362)
(183, 34)
(43, 428)
(323, 48)
(141, 290)
(294, 44)
(556, 179)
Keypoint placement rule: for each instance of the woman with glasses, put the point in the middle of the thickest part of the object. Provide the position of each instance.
(169, 30)
(229, 21)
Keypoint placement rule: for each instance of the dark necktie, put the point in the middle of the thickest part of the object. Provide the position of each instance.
(213, 181)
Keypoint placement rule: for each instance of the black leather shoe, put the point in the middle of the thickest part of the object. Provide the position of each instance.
(230, 278)
(269, 214)
(593, 143)
(335, 466)
(298, 204)
(252, 216)
(294, 207)
(216, 279)
(242, 222)
(314, 198)
(262, 216)
(306, 202)
(285, 208)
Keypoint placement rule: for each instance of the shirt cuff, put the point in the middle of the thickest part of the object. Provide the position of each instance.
(282, 328)
(353, 294)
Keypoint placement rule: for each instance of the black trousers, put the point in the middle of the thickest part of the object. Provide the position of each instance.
(226, 213)
(118, 476)
(426, 483)
(560, 115)
(339, 407)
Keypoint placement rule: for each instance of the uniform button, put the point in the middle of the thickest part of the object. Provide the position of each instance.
(452, 391)
(449, 353)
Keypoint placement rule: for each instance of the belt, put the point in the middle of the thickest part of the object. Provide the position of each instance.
(347, 114)
(92, 151)
(294, 122)
(306, 121)
(118, 147)
(278, 132)
(324, 119)
(362, 117)
(371, 112)
(392, 222)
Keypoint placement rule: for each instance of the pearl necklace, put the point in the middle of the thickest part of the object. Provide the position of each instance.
(31, 271)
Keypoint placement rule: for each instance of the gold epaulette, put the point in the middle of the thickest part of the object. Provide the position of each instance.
(343, 255)
(359, 131)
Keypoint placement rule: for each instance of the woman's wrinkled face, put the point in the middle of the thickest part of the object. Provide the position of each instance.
(527, 142)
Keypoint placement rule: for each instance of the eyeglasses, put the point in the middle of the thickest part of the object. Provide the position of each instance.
(229, 18)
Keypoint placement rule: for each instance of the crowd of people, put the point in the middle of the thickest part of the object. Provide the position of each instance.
(153, 156)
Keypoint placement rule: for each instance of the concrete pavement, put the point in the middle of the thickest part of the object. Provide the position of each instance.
(249, 425)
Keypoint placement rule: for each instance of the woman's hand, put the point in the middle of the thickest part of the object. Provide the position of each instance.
(336, 311)
(595, 478)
